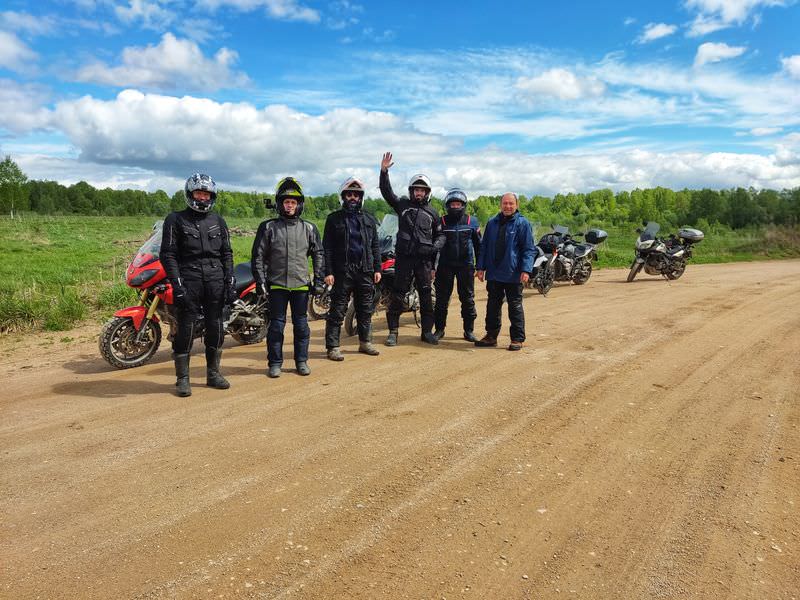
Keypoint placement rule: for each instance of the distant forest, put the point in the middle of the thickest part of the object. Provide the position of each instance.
(735, 208)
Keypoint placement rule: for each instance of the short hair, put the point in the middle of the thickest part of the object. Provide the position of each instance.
(516, 199)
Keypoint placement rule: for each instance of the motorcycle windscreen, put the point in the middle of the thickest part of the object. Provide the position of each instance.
(650, 231)
(561, 230)
(149, 251)
(387, 232)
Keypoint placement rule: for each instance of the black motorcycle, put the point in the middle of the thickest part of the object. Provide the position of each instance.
(561, 258)
(660, 256)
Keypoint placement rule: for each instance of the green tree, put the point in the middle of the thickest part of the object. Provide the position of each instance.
(13, 196)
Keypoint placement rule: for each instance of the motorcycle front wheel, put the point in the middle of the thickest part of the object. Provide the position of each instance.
(544, 282)
(119, 347)
(635, 268)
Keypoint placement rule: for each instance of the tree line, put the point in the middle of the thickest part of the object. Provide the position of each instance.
(735, 208)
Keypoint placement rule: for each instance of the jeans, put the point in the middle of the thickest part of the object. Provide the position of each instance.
(279, 301)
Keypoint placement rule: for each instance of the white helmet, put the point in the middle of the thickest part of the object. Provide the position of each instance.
(421, 181)
(352, 184)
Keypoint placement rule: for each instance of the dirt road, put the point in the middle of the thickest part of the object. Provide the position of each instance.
(644, 444)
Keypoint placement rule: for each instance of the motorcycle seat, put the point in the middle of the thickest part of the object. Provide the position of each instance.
(243, 275)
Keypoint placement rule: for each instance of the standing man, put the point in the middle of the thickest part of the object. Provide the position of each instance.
(505, 262)
(352, 266)
(457, 261)
(280, 269)
(419, 238)
(197, 256)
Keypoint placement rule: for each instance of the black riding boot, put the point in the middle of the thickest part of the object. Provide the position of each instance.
(182, 374)
(213, 377)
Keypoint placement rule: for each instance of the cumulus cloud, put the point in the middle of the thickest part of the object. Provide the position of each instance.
(150, 12)
(143, 139)
(172, 64)
(559, 83)
(791, 65)
(711, 52)
(713, 15)
(14, 53)
(286, 10)
(654, 31)
(22, 106)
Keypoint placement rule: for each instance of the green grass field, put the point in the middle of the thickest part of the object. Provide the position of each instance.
(57, 271)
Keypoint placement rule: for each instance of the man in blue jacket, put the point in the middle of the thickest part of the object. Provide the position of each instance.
(505, 263)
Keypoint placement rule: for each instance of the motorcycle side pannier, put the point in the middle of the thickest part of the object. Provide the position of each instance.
(691, 235)
(596, 236)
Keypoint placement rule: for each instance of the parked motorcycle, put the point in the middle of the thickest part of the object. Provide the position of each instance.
(132, 336)
(387, 234)
(663, 257)
(561, 258)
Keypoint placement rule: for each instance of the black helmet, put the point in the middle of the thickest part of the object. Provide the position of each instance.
(289, 187)
(199, 181)
(455, 195)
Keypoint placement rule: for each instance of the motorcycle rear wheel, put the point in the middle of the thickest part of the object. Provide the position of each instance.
(583, 275)
(318, 306)
(251, 334)
(118, 346)
(676, 272)
(635, 268)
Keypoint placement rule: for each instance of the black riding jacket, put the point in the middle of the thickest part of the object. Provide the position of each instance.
(336, 242)
(196, 246)
(419, 227)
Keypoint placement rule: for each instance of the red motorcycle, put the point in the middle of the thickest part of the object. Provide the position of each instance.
(133, 335)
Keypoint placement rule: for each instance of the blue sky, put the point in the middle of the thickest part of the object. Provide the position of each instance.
(536, 97)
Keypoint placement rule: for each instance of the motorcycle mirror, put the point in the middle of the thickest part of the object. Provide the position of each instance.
(268, 204)
(638, 230)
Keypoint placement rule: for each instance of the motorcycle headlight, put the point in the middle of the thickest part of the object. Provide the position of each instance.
(143, 277)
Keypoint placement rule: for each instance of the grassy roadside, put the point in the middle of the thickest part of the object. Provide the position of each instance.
(57, 271)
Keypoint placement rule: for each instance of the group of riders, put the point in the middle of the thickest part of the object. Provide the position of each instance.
(430, 249)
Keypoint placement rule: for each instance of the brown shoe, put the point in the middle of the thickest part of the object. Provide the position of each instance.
(516, 346)
(487, 341)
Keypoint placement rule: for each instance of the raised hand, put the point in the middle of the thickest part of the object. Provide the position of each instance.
(386, 161)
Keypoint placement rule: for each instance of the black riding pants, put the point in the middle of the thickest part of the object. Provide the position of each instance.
(464, 277)
(361, 286)
(206, 298)
(418, 269)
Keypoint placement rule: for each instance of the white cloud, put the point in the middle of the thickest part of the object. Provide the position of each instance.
(761, 131)
(21, 21)
(286, 10)
(711, 52)
(629, 21)
(655, 31)
(14, 53)
(150, 12)
(143, 139)
(22, 106)
(559, 83)
(172, 64)
(713, 15)
(792, 65)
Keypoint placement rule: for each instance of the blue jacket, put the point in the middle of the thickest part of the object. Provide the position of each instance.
(520, 250)
(462, 241)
